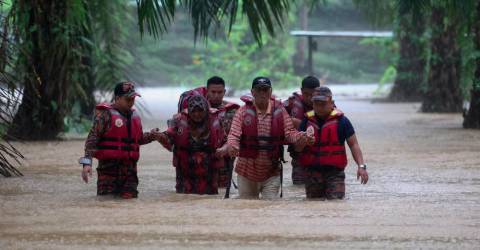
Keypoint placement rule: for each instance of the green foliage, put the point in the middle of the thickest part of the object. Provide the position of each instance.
(239, 59)
(76, 121)
(387, 77)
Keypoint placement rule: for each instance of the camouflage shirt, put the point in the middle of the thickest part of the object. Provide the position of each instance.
(226, 120)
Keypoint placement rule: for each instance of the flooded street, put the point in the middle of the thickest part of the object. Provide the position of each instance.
(423, 192)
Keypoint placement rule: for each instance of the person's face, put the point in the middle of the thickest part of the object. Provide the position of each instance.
(198, 114)
(124, 102)
(215, 93)
(261, 95)
(307, 96)
(323, 108)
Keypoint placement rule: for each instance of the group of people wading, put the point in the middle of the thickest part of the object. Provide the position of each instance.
(208, 135)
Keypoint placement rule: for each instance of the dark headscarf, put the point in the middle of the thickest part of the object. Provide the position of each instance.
(198, 101)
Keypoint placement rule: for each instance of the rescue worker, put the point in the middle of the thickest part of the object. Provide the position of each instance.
(214, 92)
(115, 139)
(259, 129)
(297, 105)
(195, 136)
(325, 156)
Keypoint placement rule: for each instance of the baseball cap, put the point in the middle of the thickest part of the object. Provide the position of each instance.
(322, 93)
(125, 89)
(261, 81)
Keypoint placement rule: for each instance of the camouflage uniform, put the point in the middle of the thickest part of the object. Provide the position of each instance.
(226, 122)
(293, 109)
(114, 176)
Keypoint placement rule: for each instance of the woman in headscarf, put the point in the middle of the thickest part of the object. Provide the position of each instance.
(196, 137)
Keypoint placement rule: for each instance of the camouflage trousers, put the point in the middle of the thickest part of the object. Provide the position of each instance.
(117, 177)
(325, 182)
(224, 173)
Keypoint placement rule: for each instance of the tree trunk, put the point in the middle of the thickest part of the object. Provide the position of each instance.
(88, 58)
(443, 87)
(41, 113)
(472, 119)
(412, 63)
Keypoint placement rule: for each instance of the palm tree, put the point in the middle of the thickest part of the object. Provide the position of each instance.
(412, 62)
(472, 118)
(69, 50)
(443, 92)
(409, 28)
(49, 34)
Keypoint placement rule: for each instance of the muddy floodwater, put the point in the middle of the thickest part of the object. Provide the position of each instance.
(423, 192)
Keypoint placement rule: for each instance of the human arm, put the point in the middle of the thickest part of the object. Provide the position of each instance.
(101, 123)
(358, 157)
(233, 138)
(148, 137)
(292, 135)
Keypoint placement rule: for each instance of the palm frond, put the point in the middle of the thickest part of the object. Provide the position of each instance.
(9, 102)
(155, 15)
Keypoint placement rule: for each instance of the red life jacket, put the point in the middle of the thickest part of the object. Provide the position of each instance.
(295, 106)
(222, 111)
(183, 101)
(250, 141)
(327, 150)
(227, 107)
(118, 142)
(184, 151)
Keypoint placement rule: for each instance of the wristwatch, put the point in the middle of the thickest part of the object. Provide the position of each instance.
(364, 166)
(85, 161)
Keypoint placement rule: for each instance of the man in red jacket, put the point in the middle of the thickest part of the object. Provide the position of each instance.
(115, 140)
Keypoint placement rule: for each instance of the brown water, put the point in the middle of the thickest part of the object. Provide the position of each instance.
(424, 192)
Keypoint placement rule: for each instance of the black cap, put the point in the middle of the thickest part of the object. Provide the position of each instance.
(261, 81)
(310, 82)
(322, 93)
(125, 89)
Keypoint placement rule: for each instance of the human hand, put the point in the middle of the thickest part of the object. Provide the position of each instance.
(232, 151)
(162, 138)
(301, 140)
(310, 135)
(362, 174)
(154, 133)
(86, 172)
(221, 152)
